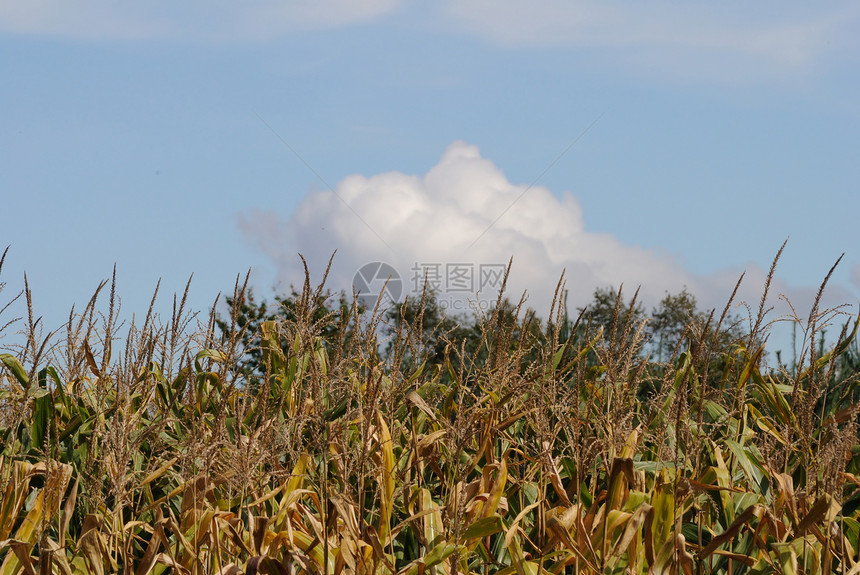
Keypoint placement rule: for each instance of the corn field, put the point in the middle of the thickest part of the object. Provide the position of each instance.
(146, 448)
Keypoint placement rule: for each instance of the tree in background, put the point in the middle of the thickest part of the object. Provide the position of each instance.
(432, 333)
(608, 310)
(247, 315)
(671, 322)
(467, 340)
(674, 326)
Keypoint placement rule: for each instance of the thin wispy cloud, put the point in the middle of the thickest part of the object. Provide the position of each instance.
(776, 34)
(192, 19)
(696, 41)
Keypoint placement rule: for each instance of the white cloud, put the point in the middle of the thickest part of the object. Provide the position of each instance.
(192, 19)
(404, 219)
(664, 35)
(855, 277)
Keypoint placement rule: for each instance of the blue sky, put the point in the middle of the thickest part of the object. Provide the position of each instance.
(210, 138)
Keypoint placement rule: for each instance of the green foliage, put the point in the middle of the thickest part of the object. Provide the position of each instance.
(330, 314)
(672, 319)
(432, 334)
(618, 319)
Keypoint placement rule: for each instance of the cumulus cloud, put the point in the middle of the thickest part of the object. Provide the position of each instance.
(192, 19)
(669, 34)
(456, 217)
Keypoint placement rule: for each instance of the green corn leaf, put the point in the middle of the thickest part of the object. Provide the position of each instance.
(17, 370)
(43, 407)
(484, 527)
